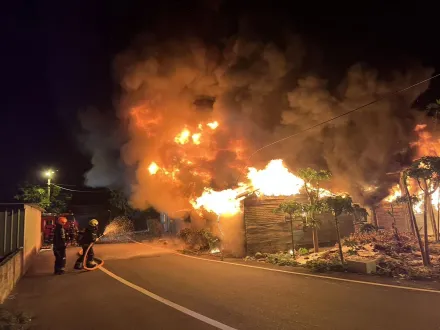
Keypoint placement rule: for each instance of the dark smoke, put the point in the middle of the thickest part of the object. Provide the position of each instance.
(260, 89)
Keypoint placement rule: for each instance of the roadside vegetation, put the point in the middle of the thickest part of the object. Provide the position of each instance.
(12, 320)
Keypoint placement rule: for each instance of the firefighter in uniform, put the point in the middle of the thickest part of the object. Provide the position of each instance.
(88, 237)
(72, 232)
(59, 246)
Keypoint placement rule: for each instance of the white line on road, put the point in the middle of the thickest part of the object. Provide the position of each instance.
(182, 309)
(402, 287)
(316, 276)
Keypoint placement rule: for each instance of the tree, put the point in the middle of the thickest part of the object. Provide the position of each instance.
(35, 194)
(337, 205)
(360, 214)
(426, 171)
(312, 180)
(295, 210)
(118, 200)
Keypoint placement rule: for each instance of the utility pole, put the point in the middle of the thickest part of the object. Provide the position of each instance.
(49, 174)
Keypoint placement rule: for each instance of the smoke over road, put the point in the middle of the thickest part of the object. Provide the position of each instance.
(259, 90)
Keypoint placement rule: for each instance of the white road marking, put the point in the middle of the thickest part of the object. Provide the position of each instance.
(317, 276)
(304, 274)
(182, 309)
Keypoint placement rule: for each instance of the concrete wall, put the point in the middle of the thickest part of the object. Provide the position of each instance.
(25, 230)
(32, 234)
(385, 220)
(11, 269)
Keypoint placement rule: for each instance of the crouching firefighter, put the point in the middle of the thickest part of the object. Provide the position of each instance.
(87, 238)
(59, 246)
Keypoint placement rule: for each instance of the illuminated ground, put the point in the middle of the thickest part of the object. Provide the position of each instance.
(239, 297)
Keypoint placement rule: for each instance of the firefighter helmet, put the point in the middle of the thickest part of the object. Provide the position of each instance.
(93, 223)
(62, 220)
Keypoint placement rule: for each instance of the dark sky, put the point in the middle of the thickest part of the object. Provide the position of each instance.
(57, 59)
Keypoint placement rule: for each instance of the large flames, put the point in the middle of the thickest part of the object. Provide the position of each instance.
(196, 147)
(426, 145)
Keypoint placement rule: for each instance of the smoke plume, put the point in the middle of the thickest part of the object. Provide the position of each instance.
(259, 90)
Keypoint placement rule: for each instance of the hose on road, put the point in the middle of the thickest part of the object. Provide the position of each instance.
(101, 262)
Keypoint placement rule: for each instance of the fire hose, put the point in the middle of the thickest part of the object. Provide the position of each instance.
(85, 257)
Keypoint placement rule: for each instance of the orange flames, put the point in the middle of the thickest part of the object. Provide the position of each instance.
(426, 145)
(275, 180)
(185, 163)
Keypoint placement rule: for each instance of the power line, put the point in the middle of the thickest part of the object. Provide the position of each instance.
(81, 191)
(340, 116)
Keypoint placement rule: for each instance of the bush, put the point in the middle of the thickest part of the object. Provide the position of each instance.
(420, 273)
(368, 228)
(383, 240)
(303, 251)
(199, 239)
(281, 259)
(13, 320)
(322, 265)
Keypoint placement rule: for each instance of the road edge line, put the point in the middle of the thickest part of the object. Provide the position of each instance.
(315, 275)
(167, 302)
(409, 288)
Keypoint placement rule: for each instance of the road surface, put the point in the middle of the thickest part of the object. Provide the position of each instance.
(143, 287)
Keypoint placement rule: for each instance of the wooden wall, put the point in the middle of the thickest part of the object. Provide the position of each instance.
(268, 232)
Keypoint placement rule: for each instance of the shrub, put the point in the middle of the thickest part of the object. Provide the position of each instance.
(368, 228)
(303, 251)
(322, 265)
(14, 320)
(199, 239)
(281, 259)
(383, 240)
(420, 273)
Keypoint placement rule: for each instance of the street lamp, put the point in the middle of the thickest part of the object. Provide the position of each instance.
(48, 174)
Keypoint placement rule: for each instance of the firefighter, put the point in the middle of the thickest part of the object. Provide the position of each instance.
(88, 237)
(72, 232)
(59, 246)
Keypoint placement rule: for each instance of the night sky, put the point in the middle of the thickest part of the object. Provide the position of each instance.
(57, 59)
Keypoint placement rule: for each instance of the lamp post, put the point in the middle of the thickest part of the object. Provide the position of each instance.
(49, 174)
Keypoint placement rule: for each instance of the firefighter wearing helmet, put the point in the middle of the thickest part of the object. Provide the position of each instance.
(59, 246)
(87, 238)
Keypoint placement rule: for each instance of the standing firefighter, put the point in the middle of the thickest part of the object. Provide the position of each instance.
(59, 246)
(88, 237)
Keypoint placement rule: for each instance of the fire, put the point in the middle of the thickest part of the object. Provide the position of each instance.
(213, 125)
(395, 193)
(275, 180)
(426, 144)
(223, 202)
(183, 136)
(153, 168)
(196, 138)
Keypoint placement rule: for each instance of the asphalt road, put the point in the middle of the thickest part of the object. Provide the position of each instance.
(150, 289)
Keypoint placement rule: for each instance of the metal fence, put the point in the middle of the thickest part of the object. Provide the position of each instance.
(11, 230)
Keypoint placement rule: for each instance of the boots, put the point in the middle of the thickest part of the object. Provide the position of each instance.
(91, 264)
(78, 265)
